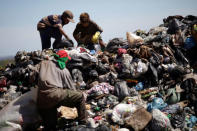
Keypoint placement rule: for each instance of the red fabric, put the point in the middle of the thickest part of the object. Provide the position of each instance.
(63, 53)
(3, 82)
(97, 118)
(82, 50)
(121, 51)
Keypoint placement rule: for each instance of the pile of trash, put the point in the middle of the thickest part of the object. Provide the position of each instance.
(145, 82)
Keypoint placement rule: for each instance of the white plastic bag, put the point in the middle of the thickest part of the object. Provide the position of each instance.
(133, 39)
(122, 111)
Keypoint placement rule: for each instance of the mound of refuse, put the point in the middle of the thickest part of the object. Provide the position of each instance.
(145, 82)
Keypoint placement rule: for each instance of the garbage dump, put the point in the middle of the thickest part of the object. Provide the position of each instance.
(145, 82)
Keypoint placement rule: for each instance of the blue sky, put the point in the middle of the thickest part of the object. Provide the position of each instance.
(19, 18)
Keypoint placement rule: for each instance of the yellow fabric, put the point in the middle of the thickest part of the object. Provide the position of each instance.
(95, 37)
(194, 32)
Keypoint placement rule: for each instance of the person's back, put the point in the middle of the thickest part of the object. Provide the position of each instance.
(55, 89)
(51, 81)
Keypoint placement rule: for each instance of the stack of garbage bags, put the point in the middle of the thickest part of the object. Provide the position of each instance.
(145, 82)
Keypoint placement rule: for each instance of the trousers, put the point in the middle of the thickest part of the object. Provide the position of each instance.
(71, 99)
(46, 34)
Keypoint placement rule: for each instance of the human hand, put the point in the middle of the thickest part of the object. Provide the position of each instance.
(71, 42)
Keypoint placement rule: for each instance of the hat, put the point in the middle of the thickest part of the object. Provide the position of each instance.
(69, 15)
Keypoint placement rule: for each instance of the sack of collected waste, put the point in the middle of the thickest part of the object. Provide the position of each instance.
(139, 119)
(20, 113)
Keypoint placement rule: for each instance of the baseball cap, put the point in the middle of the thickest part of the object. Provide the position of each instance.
(69, 15)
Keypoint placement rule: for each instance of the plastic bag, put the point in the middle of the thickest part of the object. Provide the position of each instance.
(139, 86)
(114, 44)
(171, 109)
(172, 96)
(189, 43)
(140, 69)
(101, 127)
(174, 25)
(157, 103)
(121, 90)
(178, 119)
(20, 112)
(121, 111)
(134, 39)
(160, 121)
(126, 64)
(157, 30)
(63, 43)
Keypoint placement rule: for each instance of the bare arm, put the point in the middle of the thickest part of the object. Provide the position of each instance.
(76, 34)
(62, 32)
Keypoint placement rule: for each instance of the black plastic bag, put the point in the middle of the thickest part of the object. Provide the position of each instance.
(63, 43)
(181, 59)
(174, 26)
(115, 43)
(84, 128)
(178, 119)
(121, 90)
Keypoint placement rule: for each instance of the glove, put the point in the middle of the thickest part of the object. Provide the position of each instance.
(102, 48)
(96, 37)
(71, 42)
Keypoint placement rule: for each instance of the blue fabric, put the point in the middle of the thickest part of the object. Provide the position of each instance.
(189, 43)
(139, 86)
(92, 52)
(193, 121)
(157, 103)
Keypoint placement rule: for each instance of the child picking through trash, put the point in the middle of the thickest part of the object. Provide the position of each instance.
(52, 27)
(87, 33)
(55, 89)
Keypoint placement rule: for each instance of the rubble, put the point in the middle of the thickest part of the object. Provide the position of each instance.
(145, 82)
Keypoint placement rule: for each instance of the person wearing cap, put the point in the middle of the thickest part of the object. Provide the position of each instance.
(52, 27)
(87, 33)
(55, 89)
